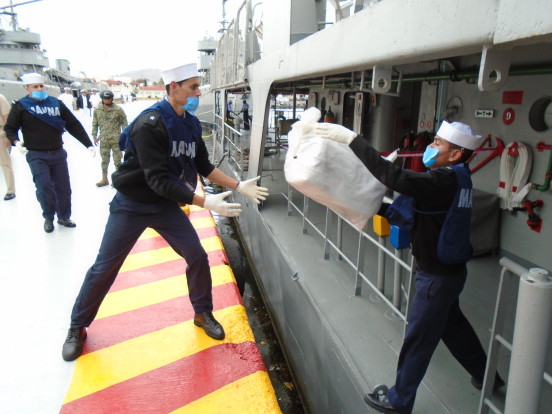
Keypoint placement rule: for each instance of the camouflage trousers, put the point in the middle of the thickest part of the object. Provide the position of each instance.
(106, 146)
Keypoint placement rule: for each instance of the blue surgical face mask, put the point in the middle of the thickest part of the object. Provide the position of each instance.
(39, 95)
(191, 106)
(430, 156)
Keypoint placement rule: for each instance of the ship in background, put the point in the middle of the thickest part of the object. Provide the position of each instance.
(393, 71)
(21, 52)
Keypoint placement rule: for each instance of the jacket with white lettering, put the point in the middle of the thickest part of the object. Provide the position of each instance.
(433, 192)
(146, 176)
(38, 135)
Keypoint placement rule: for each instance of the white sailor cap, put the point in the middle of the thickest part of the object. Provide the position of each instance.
(180, 73)
(83, 90)
(459, 134)
(31, 78)
(66, 88)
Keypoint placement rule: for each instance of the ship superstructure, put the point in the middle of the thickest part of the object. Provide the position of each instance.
(391, 71)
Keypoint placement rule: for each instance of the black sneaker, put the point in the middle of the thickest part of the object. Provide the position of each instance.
(48, 226)
(67, 222)
(207, 321)
(72, 348)
(498, 383)
(379, 402)
(9, 196)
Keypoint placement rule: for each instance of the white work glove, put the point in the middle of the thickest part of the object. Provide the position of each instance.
(251, 190)
(334, 132)
(92, 151)
(216, 203)
(21, 148)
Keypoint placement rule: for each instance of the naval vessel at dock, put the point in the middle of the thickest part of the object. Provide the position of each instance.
(393, 71)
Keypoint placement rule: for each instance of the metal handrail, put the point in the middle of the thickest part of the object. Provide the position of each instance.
(360, 252)
(528, 348)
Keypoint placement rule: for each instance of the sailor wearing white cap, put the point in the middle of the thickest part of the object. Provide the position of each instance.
(94, 97)
(84, 105)
(440, 238)
(42, 120)
(67, 98)
(164, 153)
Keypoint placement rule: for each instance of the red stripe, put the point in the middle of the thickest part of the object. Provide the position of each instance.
(159, 242)
(174, 385)
(122, 327)
(148, 274)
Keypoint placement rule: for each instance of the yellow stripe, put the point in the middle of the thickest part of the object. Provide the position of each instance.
(165, 254)
(253, 394)
(197, 223)
(148, 234)
(159, 291)
(109, 366)
(204, 222)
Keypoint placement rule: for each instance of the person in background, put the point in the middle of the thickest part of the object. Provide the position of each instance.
(229, 114)
(95, 98)
(440, 236)
(83, 104)
(164, 153)
(245, 111)
(67, 98)
(42, 121)
(110, 119)
(5, 146)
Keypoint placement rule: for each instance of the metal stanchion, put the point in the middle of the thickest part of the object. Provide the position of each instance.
(529, 346)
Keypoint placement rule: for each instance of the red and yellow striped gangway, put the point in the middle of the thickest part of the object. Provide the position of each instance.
(144, 354)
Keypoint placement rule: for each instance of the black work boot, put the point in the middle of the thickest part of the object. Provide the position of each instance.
(67, 222)
(72, 348)
(48, 226)
(207, 321)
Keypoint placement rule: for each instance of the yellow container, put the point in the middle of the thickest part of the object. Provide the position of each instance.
(381, 225)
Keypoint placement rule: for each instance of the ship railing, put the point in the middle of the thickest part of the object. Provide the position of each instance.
(230, 60)
(233, 144)
(530, 339)
(332, 233)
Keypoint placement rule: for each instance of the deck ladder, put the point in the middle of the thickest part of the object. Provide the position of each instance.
(528, 349)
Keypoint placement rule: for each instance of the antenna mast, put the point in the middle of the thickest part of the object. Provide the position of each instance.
(11, 12)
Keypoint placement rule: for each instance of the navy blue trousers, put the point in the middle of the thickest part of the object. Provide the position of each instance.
(51, 178)
(127, 221)
(435, 314)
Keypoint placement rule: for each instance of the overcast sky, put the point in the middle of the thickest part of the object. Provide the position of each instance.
(108, 37)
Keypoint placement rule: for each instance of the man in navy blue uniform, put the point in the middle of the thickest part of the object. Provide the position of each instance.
(164, 152)
(440, 244)
(42, 120)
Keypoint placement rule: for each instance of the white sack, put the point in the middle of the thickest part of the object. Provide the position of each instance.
(330, 173)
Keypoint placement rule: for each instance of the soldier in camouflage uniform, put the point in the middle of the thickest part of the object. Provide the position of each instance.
(111, 120)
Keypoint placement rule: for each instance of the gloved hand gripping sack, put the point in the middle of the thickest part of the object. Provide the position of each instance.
(330, 173)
